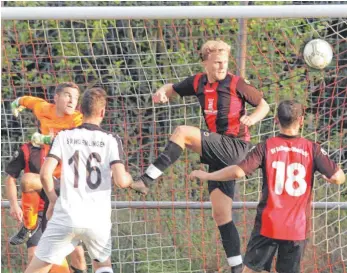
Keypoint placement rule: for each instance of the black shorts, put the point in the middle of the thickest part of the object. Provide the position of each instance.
(34, 240)
(220, 151)
(261, 250)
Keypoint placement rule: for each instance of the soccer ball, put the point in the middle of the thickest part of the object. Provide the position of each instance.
(318, 53)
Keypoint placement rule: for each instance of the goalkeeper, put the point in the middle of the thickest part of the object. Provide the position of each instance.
(52, 119)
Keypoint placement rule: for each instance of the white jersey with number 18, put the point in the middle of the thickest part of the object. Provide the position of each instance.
(86, 154)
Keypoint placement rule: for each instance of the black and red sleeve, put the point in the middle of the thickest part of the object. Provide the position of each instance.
(322, 162)
(248, 92)
(185, 87)
(254, 159)
(16, 165)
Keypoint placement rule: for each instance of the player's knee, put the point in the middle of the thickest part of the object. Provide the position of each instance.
(221, 217)
(181, 132)
(183, 136)
(77, 257)
(30, 181)
(247, 270)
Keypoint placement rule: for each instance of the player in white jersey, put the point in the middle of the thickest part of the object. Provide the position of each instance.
(91, 160)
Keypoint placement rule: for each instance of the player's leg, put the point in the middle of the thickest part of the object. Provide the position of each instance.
(34, 240)
(98, 243)
(222, 214)
(38, 266)
(103, 267)
(56, 243)
(219, 151)
(31, 186)
(183, 137)
(260, 252)
(289, 256)
(78, 261)
(64, 266)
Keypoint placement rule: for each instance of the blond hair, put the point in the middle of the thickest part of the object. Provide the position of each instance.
(213, 46)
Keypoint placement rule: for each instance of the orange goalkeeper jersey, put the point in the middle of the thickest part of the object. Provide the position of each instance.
(50, 123)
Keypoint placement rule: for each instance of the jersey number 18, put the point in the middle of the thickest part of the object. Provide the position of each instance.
(296, 172)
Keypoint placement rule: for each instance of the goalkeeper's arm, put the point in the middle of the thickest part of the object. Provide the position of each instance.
(16, 108)
(38, 139)
(29, 102)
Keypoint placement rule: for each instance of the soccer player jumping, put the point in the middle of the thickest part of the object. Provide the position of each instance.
(222, 97)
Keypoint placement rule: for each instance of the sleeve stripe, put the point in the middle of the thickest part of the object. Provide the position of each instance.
(53, 156)
(116, 161)
(120, 148)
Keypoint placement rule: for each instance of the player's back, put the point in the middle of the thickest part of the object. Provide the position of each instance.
(288, 180)
(86, 153)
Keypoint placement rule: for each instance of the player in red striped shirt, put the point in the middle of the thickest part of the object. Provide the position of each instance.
(288, 163)
(222, 97)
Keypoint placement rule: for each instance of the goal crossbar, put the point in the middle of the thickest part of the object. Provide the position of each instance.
(172, 12)
(198, 205)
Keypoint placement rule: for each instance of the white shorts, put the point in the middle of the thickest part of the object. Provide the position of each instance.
(58, 241)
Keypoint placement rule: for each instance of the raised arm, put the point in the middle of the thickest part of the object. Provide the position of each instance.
(29, 102)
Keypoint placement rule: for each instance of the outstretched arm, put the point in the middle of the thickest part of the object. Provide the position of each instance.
(164, 93)
(21, 103)
(226, 174)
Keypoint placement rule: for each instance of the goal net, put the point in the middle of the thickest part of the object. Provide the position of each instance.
(131, 59)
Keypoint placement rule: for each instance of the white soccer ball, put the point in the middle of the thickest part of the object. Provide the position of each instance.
(318, 53)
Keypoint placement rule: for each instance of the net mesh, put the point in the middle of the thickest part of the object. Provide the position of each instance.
(131, 59)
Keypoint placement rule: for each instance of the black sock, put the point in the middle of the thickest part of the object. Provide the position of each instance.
(170, 154)
(230, 240)
(76, 270)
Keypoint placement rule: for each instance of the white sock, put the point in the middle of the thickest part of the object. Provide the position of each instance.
(235, 260)
(104, 269)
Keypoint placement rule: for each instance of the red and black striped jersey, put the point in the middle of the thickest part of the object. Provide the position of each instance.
(222, 102)
(288, 164)
(27, 158)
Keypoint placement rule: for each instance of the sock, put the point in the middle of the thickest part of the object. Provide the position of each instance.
(30, 206)
(104, 269)
(63, 268)
(170, 154)
(231, 243)
(76, 270)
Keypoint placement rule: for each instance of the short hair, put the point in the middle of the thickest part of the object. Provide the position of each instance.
(288, 112)
(93, 100)
(213, 46)
(61, 86)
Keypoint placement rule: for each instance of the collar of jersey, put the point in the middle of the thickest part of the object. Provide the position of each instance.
(90, 126)
(287, 136)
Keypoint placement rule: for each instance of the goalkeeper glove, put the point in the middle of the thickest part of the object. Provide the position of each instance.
(38, 139)
(16, 108)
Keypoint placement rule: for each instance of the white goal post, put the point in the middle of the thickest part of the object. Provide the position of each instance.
(172, 12)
